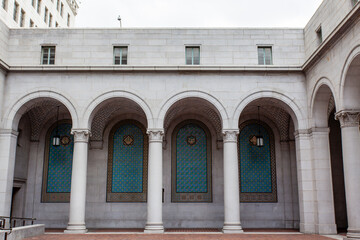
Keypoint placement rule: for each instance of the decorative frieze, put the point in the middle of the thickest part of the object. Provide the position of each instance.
(348, 118)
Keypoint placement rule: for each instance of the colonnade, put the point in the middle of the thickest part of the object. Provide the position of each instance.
(311, 215)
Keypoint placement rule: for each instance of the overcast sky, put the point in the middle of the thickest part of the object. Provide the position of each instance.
(196, 13)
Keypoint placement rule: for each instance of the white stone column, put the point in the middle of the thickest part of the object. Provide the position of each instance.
(78, 182)
(323, 182)
(349, 121)
(232, 222)
(8, 140)
(306, 181)
(154, 222)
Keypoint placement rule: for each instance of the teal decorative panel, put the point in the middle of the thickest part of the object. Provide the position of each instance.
(127, 165)
(191, 163)
(255, 162)
(60, 161)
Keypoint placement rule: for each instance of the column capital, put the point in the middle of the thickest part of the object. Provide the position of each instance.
(348, 118)
(81, 135)
(155, 135)
(230, 135)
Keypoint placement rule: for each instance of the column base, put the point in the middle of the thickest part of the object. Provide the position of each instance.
(352, 235)
(154, 228)
(76, 229)
(232, 228)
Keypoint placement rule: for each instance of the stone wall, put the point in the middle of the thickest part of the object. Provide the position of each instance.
(156, 47)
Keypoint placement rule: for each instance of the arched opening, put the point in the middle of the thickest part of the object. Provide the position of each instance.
(42, 175)
(117, 163)
(193, 167)
(268, 173)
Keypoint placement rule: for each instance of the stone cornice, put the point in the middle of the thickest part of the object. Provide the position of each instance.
(335, 35)
(4, 67)
(200, 68)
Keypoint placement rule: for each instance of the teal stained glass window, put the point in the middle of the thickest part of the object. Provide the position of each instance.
(127, 175)
(191, 164)
(127, 163)
(257, 164)
(60, 161)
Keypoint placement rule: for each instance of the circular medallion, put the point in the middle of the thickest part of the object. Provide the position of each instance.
(65, 140)
(191, 140)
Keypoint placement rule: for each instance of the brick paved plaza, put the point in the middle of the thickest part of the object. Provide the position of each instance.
(179, 237)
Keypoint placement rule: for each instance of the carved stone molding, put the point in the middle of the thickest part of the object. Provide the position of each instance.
(348, 118)
(230, 135)
(9, 132)
(155, 135)
(81, 135)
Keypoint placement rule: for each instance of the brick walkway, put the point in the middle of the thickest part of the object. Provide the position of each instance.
(172, 236)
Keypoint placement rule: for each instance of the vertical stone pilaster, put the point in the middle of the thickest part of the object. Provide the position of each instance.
(78, 182)
(8, 139)
(232, 222)
(323, 182)
(306, 181)
(349, 121)
(154, 222)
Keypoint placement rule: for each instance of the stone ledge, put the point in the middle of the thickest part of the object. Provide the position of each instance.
(20, 233)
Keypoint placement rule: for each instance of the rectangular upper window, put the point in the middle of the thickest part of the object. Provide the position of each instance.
(62, 9)
(16, 12)
(265, 55)
(48, 55)
(4, 4)
(46, 15)
(120, 55)
(31, 23)
(68, 20)
(22, 18)
(33, 3)
(38, 8)
(192, 55)
(50, 20)
(58, 5)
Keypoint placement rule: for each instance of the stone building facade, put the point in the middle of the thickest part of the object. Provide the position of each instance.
(158, 128)
(38, 13)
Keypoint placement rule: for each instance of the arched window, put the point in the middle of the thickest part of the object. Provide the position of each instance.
(191, 163)
(127, 163)
(257, 166)
(58, 164)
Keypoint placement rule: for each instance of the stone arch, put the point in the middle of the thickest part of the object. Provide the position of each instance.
(15, 112)
(96, 105)
(213, 101)
(323, 101)
(349, 83)
(284, 101)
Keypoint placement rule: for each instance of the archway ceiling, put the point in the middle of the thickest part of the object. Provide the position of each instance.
(40, 113)
(108, 111)
(270, 109)
(194, 106)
